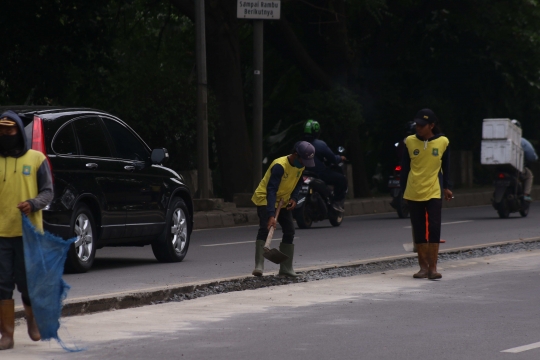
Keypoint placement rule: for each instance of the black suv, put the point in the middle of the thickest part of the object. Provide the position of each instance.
(110, 189)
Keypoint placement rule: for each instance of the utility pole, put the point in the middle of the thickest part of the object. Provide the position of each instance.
(202, 103)
(258, 50)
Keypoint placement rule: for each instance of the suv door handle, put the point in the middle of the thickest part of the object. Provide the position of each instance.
(92, 165)
(129, 167)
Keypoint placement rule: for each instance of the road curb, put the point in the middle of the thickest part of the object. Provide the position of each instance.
(132, 299)
(248, 216)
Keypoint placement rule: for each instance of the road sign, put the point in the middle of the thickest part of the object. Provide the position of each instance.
(258, 9)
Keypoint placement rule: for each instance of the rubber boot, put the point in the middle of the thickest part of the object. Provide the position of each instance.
(259, 258)
(286, 267)
(7, 323)
(33, 330)
(433, 256)
(422, 250)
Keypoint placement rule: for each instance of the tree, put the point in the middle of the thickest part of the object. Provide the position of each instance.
(43, 40)
(225, 81)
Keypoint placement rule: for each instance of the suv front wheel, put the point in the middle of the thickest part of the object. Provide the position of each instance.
(82, 253)
(172, 245)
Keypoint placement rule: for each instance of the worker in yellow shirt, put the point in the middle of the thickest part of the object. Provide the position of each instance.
(25, 187)
(281, 181)
(425, 177)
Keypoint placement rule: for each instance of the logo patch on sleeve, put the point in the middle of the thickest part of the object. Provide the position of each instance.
(416, 152)
(435, 152)
(26, 170)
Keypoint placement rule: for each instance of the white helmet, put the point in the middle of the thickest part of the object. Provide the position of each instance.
(517, 123)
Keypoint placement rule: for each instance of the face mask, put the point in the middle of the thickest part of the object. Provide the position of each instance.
(297, 163)
(9, 142)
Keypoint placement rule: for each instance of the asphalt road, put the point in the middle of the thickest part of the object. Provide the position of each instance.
(482, 309)
(229, 252)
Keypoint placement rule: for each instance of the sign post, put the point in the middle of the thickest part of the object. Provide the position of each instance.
(258, 10)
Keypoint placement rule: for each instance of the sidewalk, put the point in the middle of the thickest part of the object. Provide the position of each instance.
(231, 215)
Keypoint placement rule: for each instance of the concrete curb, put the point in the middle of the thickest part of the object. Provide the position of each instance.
(248, 216)
(126, 300)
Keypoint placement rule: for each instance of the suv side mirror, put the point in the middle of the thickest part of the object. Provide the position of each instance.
(159, 156)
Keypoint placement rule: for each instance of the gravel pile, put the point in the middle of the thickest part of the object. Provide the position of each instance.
(250, 283)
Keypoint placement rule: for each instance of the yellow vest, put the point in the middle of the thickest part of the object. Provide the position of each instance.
(20, 185)
(288, 182)
(423, 182)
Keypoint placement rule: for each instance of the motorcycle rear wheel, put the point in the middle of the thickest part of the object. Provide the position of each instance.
(336, 220)
(302, 218)
(402, 208)
(524, 210)
(503, 210)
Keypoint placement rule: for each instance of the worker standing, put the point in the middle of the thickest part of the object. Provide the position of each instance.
(25, 186)
(425, 178)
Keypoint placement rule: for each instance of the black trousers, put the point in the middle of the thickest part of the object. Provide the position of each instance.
(426, 220)
(285, 219)
(339, 181)
(12, 269)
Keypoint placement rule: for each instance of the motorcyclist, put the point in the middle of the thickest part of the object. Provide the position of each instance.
(410, 129)
(529, 155)
(401, 148)
(312, 130)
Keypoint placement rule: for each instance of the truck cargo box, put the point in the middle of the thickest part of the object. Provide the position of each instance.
(502, 152)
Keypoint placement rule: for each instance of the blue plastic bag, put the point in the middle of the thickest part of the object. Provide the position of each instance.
(45, 255)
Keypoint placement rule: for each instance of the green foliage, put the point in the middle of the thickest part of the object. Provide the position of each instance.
(42, 40)
(152, 85)
(134, 59)
(465, 59)
(337, 111)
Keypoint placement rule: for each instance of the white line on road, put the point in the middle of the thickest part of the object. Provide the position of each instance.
(233, 243)
(523, 348)
(448, 223)
(241, 242)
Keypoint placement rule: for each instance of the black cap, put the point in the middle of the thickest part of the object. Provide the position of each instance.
(425, 116)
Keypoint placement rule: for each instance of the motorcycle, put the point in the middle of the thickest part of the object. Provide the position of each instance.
(508, 194)
(398, 202)
(315, 199)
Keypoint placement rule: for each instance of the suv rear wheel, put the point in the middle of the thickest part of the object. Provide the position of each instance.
(172, 245)
(82, 253)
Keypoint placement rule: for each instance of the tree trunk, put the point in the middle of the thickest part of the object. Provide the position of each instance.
(225, 81)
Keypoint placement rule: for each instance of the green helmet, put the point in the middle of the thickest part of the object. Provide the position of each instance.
(312, 127)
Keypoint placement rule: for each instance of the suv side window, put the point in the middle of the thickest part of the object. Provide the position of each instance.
(92, 140)
(127, 145)
(64, 142)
